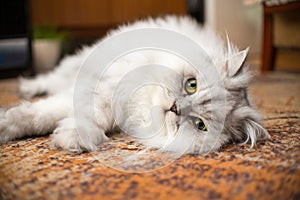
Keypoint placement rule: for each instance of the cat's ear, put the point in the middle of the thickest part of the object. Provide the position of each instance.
(235, 62)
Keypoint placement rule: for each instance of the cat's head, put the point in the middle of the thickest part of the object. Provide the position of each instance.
(220, 112)
(186, 114)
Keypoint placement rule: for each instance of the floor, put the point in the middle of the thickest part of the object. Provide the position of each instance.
(30, 169)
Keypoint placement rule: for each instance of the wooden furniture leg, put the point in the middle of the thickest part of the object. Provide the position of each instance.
(268, 49)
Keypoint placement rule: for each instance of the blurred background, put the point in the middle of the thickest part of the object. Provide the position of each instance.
(35, 34)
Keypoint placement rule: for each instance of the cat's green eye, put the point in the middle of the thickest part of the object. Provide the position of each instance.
(199, 124)
(191, 86)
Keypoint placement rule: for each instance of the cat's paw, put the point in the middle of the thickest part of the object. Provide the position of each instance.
(12, 123)
(67, 137)
(29, 88)
(69, 140)
(3, 126)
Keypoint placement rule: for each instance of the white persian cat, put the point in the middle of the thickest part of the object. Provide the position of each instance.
(191, 117)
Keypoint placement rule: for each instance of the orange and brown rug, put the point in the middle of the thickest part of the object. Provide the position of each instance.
(30, 169)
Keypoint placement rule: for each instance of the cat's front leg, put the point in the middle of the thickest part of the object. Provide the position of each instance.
(33, 119)
(77, 135)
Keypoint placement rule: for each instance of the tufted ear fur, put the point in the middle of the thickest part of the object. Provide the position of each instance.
(245, 126)
(235, 59)
(254, 132)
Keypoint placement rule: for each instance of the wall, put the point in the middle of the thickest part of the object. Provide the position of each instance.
(242, 23)
(88, 13)
(84, 21)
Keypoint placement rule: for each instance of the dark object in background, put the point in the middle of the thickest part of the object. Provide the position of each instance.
(15, 40)
(195, 8)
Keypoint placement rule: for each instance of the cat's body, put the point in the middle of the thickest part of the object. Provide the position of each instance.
(56, 113)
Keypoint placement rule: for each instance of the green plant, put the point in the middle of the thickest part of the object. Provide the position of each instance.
(47, 32)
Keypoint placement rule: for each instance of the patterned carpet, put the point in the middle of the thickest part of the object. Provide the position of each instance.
(29, 169)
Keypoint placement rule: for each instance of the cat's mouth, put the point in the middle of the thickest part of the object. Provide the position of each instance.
(175, 109)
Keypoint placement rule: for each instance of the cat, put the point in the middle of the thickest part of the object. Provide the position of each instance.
(187, 111)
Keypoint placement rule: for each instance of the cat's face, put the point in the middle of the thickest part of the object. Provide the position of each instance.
(180, 111)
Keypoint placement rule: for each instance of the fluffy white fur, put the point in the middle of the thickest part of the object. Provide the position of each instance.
(55, 113)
